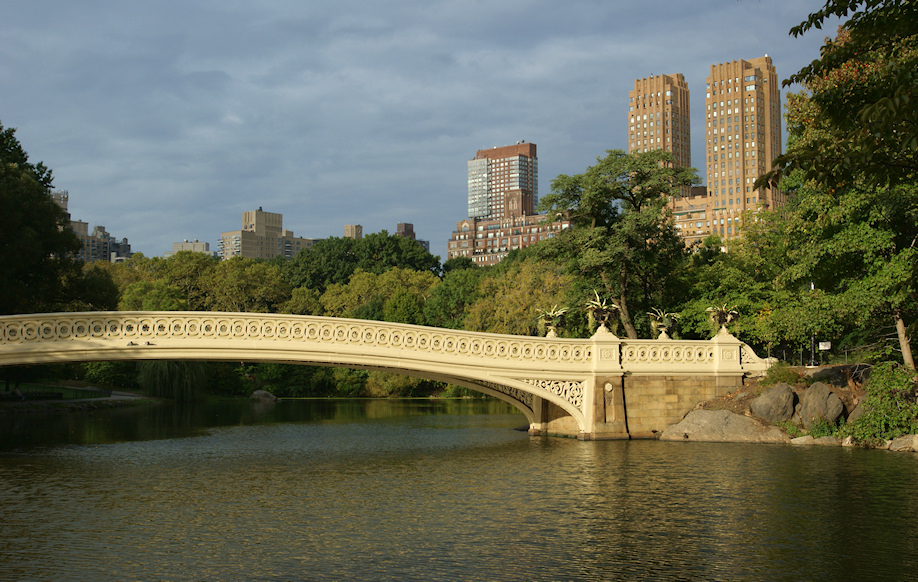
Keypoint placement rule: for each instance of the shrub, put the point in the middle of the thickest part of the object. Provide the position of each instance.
(890, 405)
(782, 372)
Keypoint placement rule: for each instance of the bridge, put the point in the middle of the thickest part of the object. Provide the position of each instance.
(602, 387)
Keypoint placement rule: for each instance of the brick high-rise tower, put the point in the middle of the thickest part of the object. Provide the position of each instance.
(504, 181)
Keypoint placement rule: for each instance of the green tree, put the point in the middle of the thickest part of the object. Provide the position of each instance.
(458, 263)
(188, 271)
(152, 296)
(404, 307)
(245, 285)
(327, 262)
(625, 241)
(852, 160)
(509, 299)
(863, 90)
(303, 301)
(89, 289)
(379, 252)
(449, 302)
(36, 242)
(334, 260)
(366, 294)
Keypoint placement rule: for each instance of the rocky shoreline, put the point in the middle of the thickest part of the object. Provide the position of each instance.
(755, 414)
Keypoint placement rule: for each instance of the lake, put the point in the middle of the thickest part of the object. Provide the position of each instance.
(422, 489)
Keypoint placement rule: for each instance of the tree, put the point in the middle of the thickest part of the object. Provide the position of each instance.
(450, 301)
(511, 296)
(37, 244)
(624, 241)
(863, 91)
(152, 296)
(458, 263)
(378, 252)
(366, 294)
(857, 245)
(334, 260)
(327, 262)
(853, 158)
(187, 271)
(245, 285)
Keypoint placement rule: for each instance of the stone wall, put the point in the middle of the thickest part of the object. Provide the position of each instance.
(652, 403)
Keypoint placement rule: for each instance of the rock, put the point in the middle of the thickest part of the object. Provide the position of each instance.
(722, 426)
(907, 443)
(263, 396)
(830, 441)
(848, 442)
(820, 402)
(856, 413)
(775, 404)
(804, 440)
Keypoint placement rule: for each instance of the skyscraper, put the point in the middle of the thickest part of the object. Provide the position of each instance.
(742, 137)
(503, 190)
(658, 117)
(743, 118)
(504, 181)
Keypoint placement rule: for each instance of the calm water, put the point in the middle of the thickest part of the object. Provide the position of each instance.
(420, 490)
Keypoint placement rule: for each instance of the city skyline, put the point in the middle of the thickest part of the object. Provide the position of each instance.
(167, 129)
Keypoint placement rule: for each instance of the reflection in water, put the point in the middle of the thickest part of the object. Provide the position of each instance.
(426, 490)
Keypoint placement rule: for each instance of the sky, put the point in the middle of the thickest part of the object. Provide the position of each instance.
(165, 120)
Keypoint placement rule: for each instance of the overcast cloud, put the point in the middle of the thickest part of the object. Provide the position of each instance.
(166, 120)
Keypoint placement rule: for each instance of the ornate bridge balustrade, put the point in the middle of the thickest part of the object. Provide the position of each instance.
(601, 387)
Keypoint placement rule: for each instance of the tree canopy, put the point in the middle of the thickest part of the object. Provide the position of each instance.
(624, 241)
(862, 124)
(37, 244)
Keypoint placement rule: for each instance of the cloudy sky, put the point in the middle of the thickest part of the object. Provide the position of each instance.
(165, 120)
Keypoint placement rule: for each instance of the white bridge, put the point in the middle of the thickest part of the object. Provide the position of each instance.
(601, 387)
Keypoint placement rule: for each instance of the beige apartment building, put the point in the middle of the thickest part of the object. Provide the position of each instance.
(503, 190)
(742, 137)
(262, 236)
(659, 117)
(743, 123)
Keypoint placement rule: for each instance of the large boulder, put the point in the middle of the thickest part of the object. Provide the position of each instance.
(722, 426)
(775, 404)
(820, 402)
(907, 443)
(263, 396)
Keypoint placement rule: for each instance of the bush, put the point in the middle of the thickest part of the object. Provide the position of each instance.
(890, 406)
(782, 372)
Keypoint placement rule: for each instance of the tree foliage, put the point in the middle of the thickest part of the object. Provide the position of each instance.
(852, 163)
(333, 260)
(624, 241)
(864, 95)
(36, 242)
(510, 298)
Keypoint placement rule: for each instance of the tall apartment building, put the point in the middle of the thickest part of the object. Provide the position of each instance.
(503, 191)
(658, 117)
(503, 181)
(742, 137)
(262, 236)
(743, 118)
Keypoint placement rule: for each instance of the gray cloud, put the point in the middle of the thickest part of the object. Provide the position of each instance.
(166, 120)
